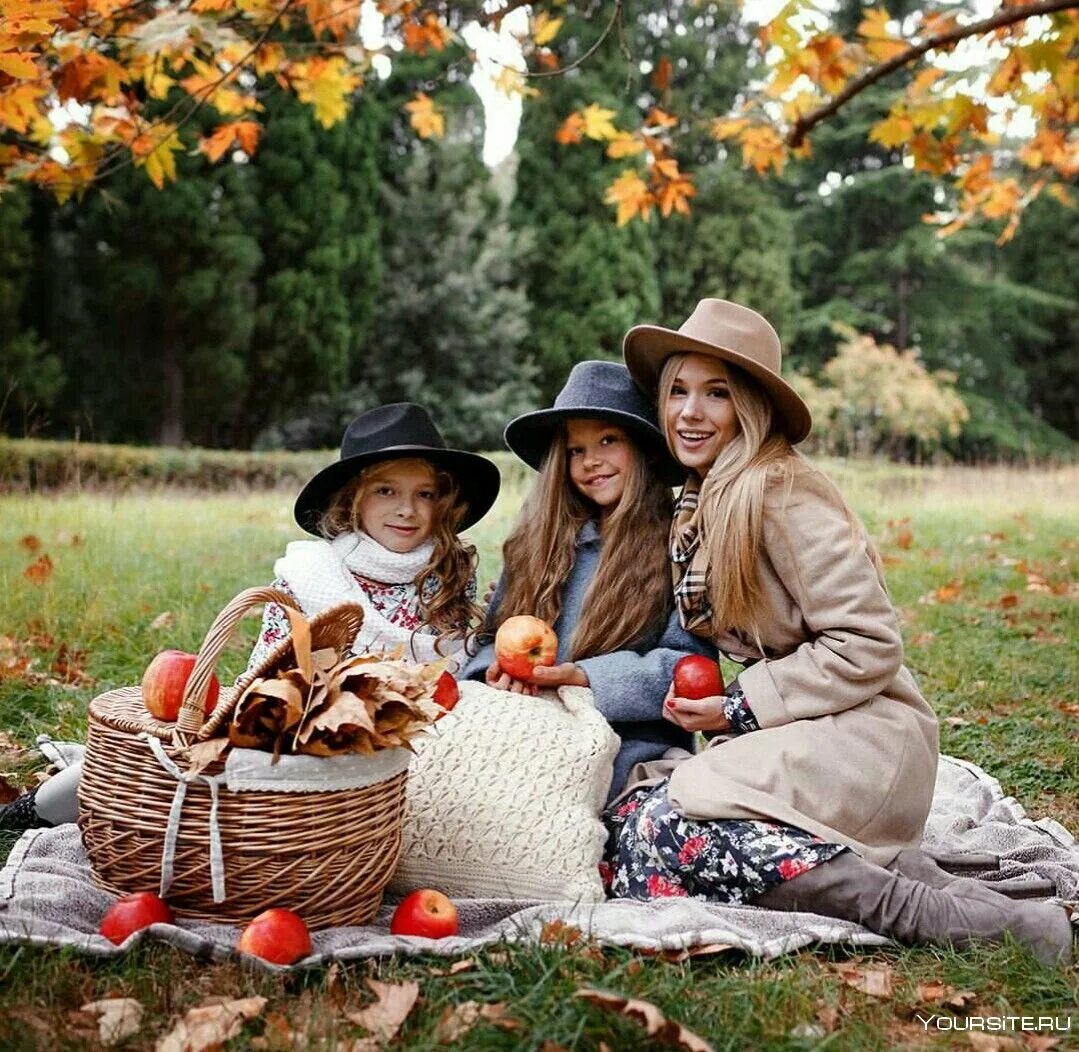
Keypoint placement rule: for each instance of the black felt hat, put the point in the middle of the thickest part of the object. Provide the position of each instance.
(599, 391)
(394, 432)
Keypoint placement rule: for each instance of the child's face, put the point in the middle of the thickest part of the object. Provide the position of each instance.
(396, 504)
(600, 458)
(699, 419)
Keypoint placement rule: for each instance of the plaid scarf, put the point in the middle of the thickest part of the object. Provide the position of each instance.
(689, 561)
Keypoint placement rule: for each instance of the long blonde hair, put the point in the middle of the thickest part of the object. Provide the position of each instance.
(731, 513)
(630, 592)
(452, 565)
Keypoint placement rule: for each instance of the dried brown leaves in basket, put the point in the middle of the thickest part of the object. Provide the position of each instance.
(330, 702)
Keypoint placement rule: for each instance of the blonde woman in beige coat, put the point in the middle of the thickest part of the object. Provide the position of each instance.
(818, 780)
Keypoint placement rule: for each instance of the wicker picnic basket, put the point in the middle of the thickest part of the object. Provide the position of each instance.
(326, 855)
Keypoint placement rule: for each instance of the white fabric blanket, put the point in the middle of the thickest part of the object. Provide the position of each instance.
(48, 898)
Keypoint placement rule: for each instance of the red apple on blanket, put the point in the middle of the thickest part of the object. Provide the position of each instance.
(447, 693)
(696, 676)
(425, 912)
(132, 913)
(278, 936)
(523, 642)
(163, 685)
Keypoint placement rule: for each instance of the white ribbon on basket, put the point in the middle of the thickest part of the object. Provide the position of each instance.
(168, 852)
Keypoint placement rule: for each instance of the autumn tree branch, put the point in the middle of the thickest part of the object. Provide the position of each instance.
(1007, 16)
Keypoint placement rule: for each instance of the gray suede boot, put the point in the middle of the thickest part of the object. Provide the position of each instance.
(917, 865)
(911, 911)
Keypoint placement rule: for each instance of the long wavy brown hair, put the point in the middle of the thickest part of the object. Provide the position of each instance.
(631, 590)
(733, 497)
(448, 610)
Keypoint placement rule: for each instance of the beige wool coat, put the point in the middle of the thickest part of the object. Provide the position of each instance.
(848, 746)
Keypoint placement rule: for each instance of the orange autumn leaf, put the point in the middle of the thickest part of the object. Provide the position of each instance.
(31, 542)
(632, 197)
(570, 130)
(881, 43)
(217, 144)
(430, 33)
(624, 145)
(19, 64)
(658, 117)
(762, 149)
(426, 118)
(724, 127)
(661, 75)
(40, 570)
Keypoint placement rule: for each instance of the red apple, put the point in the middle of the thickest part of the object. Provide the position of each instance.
(696, 676)
(447, 693)
(425, 912)
(132, 913)
(278, 936)
(523, 642)
(163, 685)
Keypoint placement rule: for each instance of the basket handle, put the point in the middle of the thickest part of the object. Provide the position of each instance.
(191, 716)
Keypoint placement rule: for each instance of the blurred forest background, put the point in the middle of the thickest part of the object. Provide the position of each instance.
(261, 305)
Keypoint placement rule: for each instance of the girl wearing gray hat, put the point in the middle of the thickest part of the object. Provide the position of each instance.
(814, 792)
(587, 555)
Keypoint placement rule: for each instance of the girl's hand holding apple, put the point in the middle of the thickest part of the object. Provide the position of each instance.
(500, 680)
(696, 714)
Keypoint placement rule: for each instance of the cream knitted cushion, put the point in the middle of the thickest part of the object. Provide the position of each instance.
(504, 797)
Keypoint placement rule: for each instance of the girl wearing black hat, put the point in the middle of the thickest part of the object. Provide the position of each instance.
(386, 515)
(588, 555)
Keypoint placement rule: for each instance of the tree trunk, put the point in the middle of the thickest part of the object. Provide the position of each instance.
(172, 416)
(902, 314)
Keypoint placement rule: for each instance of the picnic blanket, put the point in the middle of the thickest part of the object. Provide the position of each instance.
(47, 896)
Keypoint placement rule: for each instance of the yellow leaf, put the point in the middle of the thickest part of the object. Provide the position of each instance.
(512, 82)
(425, 117)
(881, 43)
(1003, 199)
(631, 195)
(624, 145)
(893, 131)
(597, 122)
(153, 150)
(19, 64)
(325, 83)
(924, 80)
(545, 28)
(724, 127)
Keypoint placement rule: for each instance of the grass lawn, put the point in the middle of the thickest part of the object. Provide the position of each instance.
(981, 563)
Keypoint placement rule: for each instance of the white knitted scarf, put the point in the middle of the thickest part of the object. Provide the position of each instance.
(319, 574)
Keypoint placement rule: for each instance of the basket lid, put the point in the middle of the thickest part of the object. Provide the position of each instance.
(122, 710)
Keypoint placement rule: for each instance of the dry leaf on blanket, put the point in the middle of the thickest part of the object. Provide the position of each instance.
(8, 792)
(385, 1016)
(874, 980)
(559, 933)
(661, 1029)
(117, 1018)
(210, 1025)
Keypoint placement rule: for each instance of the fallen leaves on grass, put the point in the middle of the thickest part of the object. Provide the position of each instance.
(658, 1027)
(458, 1020)
(923, 639)
(17, 661)
(874, 980)
(117, 1018)
(210, 1024)
(944, 594)
(31, 542)
(940, 993)
(394, 1002)
(8, 792)
(40, 570)
(463, 965)
(163, 620)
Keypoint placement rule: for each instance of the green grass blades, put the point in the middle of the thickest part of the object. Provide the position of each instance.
(981, 565)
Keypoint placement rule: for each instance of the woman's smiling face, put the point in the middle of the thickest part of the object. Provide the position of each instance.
(599, 459)
(699, 417)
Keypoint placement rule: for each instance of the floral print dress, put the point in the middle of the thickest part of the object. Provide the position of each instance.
(653, 851)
